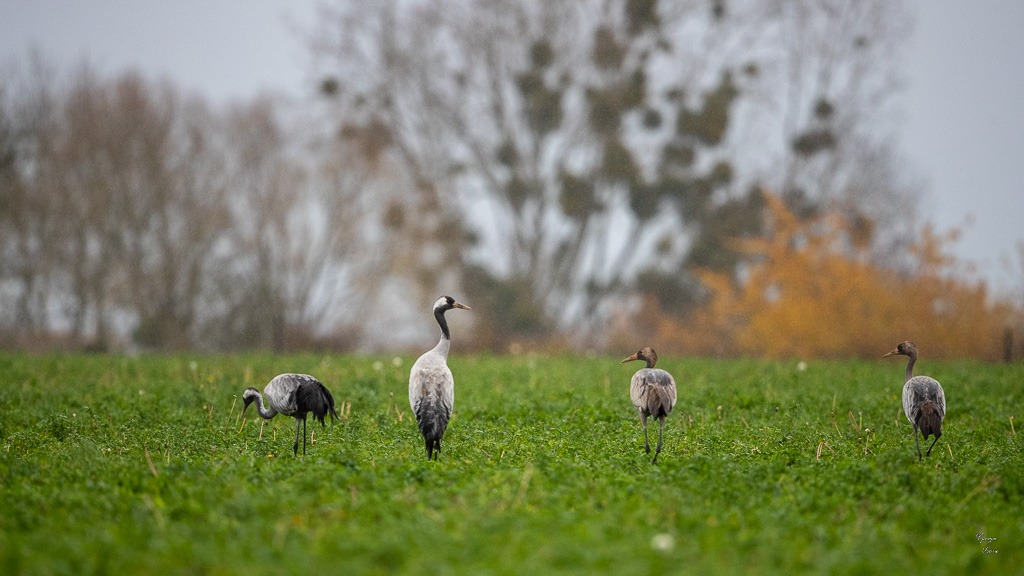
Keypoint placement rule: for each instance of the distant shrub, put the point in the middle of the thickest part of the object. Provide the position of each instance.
(814, 291)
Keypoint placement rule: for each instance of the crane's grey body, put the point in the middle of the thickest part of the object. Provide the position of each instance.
(432, 394)
(294, 395)
(924, 401)
(653, 392)
(432, 386)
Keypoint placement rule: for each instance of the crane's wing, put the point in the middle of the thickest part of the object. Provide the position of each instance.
(638, 390)
(280, 392)
(908, 401)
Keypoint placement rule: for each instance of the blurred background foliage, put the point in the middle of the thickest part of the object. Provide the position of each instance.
(811, 291)
(703, 177)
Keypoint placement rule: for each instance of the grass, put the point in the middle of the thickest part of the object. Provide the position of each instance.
(138, 465)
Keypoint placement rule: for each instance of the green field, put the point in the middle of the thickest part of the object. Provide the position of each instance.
(766, 469)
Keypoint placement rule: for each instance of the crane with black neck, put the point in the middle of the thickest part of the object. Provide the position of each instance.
(431, 384)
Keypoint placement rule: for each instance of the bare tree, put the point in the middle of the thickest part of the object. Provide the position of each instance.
(301, 211)
(125, 173)
(833, 90)
(264, 187)
(593, 147)
(383, 237)
(175, 231)
(78, 163)
(530, 118)
(132, 214)
(28, 220)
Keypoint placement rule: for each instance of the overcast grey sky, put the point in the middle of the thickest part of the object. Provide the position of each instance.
(963, 132)
(965, 123)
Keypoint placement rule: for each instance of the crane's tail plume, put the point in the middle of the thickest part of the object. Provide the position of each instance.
(930, 420)
(432, 420)
(660, 401)
(319, 400)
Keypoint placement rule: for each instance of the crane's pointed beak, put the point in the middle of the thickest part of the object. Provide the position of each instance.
(630, 359)
(893, 352)
(463, 306)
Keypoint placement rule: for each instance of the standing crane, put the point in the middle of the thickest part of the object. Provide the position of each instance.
(653, 392)
(431, 385)
(293, 395)
(924, 402)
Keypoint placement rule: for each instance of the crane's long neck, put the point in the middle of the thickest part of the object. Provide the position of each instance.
(910, 366)
(439, 315)
(264, 413)
(445, 343)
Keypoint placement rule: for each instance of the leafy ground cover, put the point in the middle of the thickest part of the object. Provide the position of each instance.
(142, 465)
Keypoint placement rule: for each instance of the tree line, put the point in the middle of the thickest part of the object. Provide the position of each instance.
(581, 173)
(135, 216)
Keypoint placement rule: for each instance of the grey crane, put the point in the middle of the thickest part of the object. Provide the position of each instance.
(293, 395)
(431, 384)
(924, 402)
(653, 392)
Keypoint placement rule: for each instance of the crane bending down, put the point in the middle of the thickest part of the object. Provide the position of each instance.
(653, 392)
(431, 384)
(924, 402)
(293, 395)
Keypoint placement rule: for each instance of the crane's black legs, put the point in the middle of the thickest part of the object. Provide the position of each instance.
(661, 428)
(433, 449)
(303, 435)
(917, 443)
(647, 445)
(295, 446)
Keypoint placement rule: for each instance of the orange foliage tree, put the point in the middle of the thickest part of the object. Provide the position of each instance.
(811, 290)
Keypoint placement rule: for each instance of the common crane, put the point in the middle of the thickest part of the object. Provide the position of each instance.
(293, 395)
(653, 392)
(431, 384)
(924, 402)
